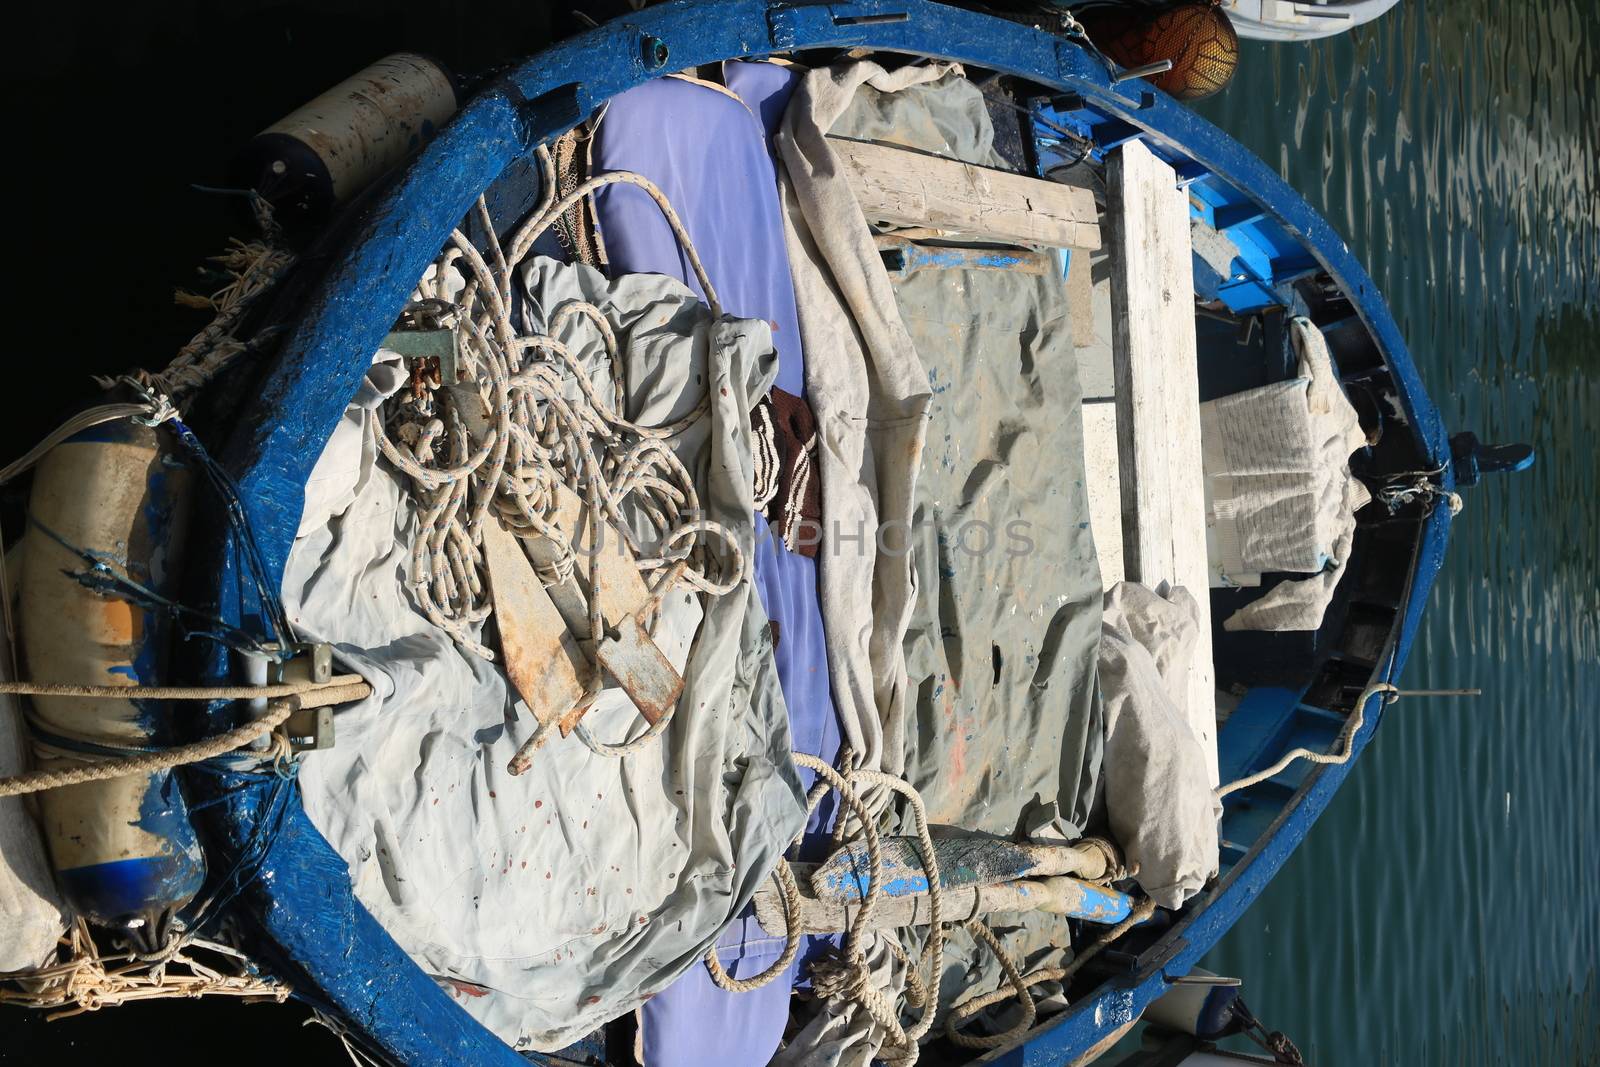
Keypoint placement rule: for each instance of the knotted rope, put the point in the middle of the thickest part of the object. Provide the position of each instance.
(82, 978)
(847, 976)
(1021, 986)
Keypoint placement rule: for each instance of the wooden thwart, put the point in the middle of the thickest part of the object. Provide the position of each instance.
(1158, 401)
(906, 188)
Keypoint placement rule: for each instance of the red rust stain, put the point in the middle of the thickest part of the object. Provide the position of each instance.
(538, 803)
(958, 740)
(491, 792)
(524, 864)
(593, 1000)
(457, 986)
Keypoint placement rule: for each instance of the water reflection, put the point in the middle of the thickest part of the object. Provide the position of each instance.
(1447, 907)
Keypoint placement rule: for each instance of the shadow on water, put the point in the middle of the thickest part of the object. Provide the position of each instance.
(1446, 909)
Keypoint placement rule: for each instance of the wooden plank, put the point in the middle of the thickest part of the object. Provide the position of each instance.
(1158, 401)
(1080, 299)
(1100, 482)
(906, 188)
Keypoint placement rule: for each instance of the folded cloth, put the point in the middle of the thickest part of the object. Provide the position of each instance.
(710, 154)
(870, 395)
(1158, 796)
(1279, 489)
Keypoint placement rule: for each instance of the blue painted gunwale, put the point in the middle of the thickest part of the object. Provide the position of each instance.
(301, 904)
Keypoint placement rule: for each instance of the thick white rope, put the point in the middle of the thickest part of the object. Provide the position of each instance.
(1343, 743)
(339, 690)
(1022, 986)
(849, 975)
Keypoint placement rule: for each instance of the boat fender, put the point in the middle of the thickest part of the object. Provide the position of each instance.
(1194, 1006)
(1194, 34)
(124, 852)
(323, 153)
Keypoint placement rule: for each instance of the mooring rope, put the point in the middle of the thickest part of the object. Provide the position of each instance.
(1021, 986)
(1341, 752)
(847, 976)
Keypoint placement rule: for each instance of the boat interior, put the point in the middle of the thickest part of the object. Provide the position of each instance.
(1248, 285)
(1124, 335)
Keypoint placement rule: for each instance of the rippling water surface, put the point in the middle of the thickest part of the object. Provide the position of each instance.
(1446, 909)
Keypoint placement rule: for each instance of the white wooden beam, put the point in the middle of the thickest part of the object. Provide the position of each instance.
(1158, 400)
(906, 188)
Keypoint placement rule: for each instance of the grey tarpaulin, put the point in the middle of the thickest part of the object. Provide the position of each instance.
(575, 891)
(1279, 489)
(1001, 648)
(1002, 339)
(1006, 732)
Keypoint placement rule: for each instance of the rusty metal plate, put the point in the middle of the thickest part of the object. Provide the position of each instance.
(633, 661)
(622, 589)
(542, 658)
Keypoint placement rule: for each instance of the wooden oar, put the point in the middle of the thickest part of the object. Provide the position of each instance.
(963, 861)
(1059, 895)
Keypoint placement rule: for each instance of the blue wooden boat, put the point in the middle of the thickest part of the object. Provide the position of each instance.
(291, 892)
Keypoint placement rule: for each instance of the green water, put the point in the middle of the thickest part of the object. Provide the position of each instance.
(1446, 909)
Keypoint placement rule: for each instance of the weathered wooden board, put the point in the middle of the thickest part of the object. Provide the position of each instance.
(1100, 482)
(1158, 400)
(906, 188)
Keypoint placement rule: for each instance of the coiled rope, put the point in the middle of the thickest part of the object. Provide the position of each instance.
(506, 460)
(1021, 986)
(847, 976)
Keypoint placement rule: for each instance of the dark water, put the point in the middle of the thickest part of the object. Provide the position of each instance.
(1446, 909)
